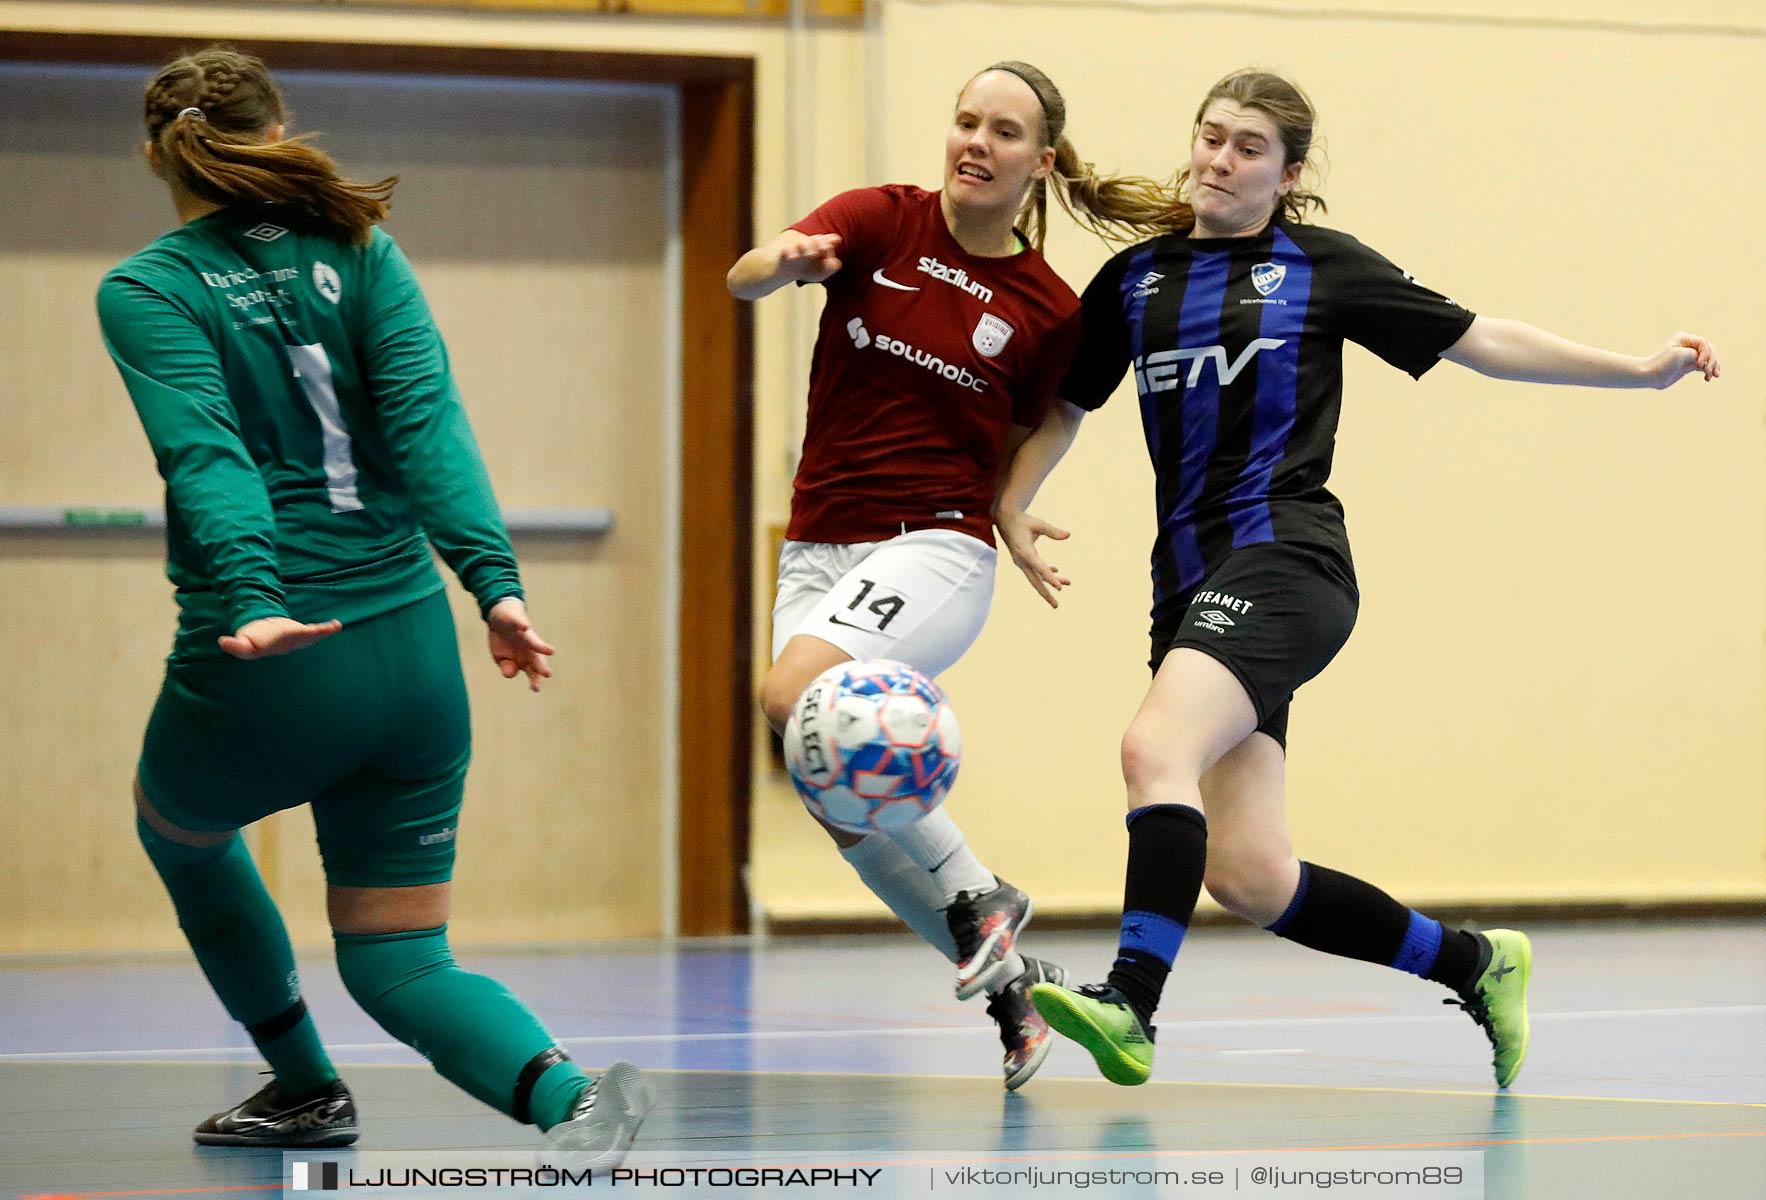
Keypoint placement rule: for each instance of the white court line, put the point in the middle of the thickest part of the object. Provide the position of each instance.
(872, 1032)
(1450, 1017)
(619, 1039)
(1594, 1014)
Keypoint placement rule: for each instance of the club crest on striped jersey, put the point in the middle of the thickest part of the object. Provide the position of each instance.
(991, 335)
(1267, 277)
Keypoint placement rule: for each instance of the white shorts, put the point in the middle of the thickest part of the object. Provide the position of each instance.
(920, 598)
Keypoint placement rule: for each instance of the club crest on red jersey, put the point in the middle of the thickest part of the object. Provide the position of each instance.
(991, 335)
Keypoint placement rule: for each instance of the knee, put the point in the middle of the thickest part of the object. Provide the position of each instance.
(167, 854)
(353, 958)
(1252, 882)
(778, 696)
(1149, 756)
(843, 838)
(375, 966)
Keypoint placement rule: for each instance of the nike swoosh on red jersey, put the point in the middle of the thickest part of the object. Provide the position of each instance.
(877, 276)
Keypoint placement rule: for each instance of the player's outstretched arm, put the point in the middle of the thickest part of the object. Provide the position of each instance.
(515, 647)
(1030, 465)
(1505, 349)
(792, 257)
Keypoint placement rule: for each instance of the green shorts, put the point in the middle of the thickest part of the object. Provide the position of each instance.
(369, 726)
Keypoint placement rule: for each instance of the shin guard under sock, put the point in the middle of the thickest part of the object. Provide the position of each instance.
(1167, 851)
(240, 942)
(1342, 915)
(475, 1033)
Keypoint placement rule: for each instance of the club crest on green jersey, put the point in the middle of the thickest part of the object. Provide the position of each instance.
(327, 281)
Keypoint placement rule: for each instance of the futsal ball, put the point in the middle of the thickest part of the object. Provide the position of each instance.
(872, 746)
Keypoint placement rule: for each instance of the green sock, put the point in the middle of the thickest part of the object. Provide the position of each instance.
(476, 1034)
(556, 1092)
(242, 946)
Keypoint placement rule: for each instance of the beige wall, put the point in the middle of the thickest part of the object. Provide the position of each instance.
(1556, 687)
(1555, 690)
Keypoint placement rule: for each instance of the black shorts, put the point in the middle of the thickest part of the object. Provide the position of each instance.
(1273, 614)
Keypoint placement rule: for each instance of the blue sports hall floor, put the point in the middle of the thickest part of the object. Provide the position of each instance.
(1646, 1078)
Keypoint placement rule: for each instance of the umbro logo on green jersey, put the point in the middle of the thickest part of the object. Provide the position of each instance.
(266, 232)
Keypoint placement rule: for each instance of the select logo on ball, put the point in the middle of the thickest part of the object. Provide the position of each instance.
(814, 760)
(872, 746)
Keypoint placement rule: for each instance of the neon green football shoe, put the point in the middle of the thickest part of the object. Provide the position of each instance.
(1099, 1018)
(1497, 1000)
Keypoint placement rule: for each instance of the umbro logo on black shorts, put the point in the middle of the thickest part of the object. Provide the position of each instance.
(1214, 619)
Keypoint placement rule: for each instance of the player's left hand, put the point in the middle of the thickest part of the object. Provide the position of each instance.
(515, 647)
(1019, 531)
(1685, 354)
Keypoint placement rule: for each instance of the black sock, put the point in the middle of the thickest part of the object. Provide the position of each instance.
(1167, 849)
(1340, 914)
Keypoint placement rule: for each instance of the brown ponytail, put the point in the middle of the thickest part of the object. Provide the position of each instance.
(219, 152)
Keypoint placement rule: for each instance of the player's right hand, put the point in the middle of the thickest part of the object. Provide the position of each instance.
(515, 647)
(1019, 531)
(267, 637)
(809, 257)
(1685, 354)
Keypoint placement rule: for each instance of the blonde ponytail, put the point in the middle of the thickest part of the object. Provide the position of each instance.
(1115, 207)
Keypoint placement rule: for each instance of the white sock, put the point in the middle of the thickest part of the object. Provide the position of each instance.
(935, 842)
(906, 887)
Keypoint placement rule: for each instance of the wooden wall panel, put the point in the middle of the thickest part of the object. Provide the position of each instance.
(716, 630)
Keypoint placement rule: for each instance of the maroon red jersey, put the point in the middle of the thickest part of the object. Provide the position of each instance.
(926, 356)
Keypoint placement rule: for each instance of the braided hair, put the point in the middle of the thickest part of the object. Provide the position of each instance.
(209, 117)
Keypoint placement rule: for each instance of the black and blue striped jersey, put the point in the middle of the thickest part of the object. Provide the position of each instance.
(1236, 345)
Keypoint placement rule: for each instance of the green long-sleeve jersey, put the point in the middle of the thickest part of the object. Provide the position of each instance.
(298, 400)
